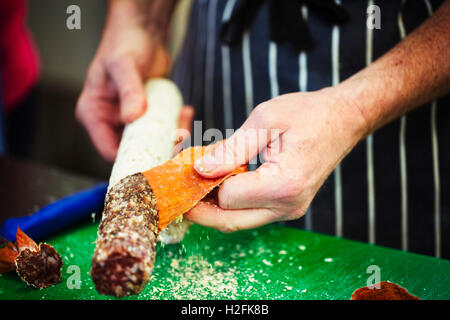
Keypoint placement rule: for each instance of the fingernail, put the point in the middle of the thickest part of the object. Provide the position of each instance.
(207, 164)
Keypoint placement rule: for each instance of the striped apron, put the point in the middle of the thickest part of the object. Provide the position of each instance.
(393, 189)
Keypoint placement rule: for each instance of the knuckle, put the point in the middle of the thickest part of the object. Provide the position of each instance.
(264, 107)
(117, 61)
(229, 154)
(80, 109)
(95, 69)
(228, 227)
(262, 115)
(132, 91)
(115, 58)
(268, 115)
(300, 212)
(78, 115)
(295, 214)
(127, 91)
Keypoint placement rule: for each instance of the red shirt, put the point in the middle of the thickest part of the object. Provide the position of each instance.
(18, 57)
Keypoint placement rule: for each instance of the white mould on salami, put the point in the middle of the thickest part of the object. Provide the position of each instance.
(125, 248)
(149, 141)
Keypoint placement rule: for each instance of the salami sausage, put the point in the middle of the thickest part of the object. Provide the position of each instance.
(149, 141)
(123, 259)
(125, 253)
(146, 195)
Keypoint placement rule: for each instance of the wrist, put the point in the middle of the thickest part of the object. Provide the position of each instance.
(152, 16)
(159, 17)
(125, 13)
(350, 124)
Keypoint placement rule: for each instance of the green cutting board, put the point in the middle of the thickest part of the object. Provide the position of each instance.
(272, 262)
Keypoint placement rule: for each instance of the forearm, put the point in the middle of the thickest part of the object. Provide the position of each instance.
(154, 15)
(414, 72)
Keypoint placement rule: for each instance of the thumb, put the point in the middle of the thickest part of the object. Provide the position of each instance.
(183, 132)
(239, 149)
(128, 81)
(186, 117)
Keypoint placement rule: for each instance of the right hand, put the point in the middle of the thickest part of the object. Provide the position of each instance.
(113, 93)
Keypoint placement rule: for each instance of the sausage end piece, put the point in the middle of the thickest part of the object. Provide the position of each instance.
(125, 249)
(39, 268)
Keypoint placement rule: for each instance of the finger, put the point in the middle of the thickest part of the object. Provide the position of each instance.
(213, 216)
(101, 122)
(243, 145)
(105, 139)
(254, 189)
(182, 141)
(186, 117)
(129, 84)
(272, 152)
(183, 133)
(97, 83)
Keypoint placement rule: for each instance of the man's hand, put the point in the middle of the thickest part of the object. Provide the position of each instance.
(113, 93)
(314, 131)
(301, 137)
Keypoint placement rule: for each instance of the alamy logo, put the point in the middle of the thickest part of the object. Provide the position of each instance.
(74, 280)
(373, 17)
(73, 21)
(373, 282)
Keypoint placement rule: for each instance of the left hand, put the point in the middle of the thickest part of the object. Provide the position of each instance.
(307, 135)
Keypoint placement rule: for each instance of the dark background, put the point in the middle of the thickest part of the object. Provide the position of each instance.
(65, 56)
(49, 153)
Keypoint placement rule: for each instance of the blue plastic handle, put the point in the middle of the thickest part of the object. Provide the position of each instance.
(57, 215)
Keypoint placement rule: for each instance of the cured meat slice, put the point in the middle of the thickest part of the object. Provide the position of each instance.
(8, 256)
(41, 268)
(387, 291)
(25, 242)
(178, 187)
